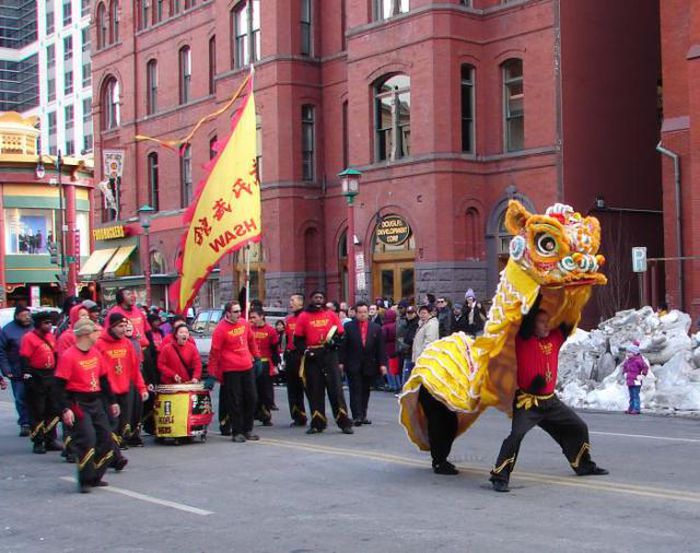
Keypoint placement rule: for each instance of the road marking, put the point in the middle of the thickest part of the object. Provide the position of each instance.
(150, 499)
(602, 484)
(648, 437)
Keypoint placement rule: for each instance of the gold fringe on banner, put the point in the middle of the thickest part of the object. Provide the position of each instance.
(177, 144)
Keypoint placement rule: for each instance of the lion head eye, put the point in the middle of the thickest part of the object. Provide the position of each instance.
(546, 244)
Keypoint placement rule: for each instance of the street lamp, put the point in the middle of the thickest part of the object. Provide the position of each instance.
(145, 212)
(350, 187)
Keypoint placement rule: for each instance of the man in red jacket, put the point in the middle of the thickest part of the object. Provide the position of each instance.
(124, 375)
(312, 335)
(233, 352)
(292, 362)
(37, 353)
(266, 341)
(126, 300)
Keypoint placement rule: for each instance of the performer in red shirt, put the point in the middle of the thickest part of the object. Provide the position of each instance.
(266, 340)
(124, 374)
(179, 360)
(292, 363)
(233, 351)
(535, 403)
(37, 354)
(67, 338)
(313, 335)
(82, 388)
(126, 300)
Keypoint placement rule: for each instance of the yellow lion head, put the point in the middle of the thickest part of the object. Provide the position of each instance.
(557, 249)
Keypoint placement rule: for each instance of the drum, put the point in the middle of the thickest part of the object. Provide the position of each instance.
(182, 411)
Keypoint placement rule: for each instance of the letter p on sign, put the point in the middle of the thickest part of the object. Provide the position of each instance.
(639, 259)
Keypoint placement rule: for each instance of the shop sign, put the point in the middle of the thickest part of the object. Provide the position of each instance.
(360, 282)
(34, 296)
(109, 233)
(393, 230)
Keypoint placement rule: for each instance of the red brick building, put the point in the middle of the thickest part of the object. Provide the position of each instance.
(680, 49)
(448, 108)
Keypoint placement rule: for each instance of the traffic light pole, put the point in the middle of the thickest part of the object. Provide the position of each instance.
(61, 214)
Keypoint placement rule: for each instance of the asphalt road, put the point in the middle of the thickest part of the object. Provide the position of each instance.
(369, 492)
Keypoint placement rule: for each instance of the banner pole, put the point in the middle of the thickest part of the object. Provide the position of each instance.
(247, 280)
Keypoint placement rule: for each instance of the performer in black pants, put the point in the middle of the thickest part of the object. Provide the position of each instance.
(535, 403)
(442, 429)
(320, 370)
(292, 361)
(363, 358)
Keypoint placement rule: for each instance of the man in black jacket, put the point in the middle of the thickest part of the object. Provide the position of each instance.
(362, 356)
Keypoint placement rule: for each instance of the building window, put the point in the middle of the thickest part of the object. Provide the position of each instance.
(51, 124)
(67, 15)
(50, 56)
(185, 62)
(307, 142)
(346, 137)
(114, 21)
(87, 125)
(68, 81)
(343, 24)
(467, 83)
(514, 105)
(393, 118)
(152, 87)
(186, 175)
(69, 116)
(87, 74)
(190, 4)
(110, 104)
(51, 88)
(212, 65)
(144, 8)
(84, 8)
(68, 48)
(212, 147)
(70, 144)
(384, 9)
(153, 197)
(306, 38)
(85, 40)
(174, 7)
(87, 110)
(87, 143)
(467, 3)
(102, 29)
(158, 11)
(27, 231)
(245, 27)
(50, 21)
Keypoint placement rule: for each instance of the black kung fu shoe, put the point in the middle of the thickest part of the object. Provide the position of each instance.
(500, 485)
(251, 437)
(366, 421)
(445, 468)
(357, 422)
(120, 463)
(314, 430)
(53, 445)
(238, 438)
(591, 470)
(39, 448)
(347, 430)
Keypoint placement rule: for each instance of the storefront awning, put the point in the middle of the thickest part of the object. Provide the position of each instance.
(119, 259)
(97, 260)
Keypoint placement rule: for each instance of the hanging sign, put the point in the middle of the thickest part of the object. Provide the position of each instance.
(393, 230)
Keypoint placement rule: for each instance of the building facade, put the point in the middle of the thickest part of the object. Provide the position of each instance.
(65, 76)
(39, 198)
(680, 48)
(448, 108)
(19, 69)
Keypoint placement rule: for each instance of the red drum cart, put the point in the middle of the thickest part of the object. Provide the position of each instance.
(182, 412)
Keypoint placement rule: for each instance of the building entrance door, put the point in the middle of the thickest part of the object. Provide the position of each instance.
(394, 280)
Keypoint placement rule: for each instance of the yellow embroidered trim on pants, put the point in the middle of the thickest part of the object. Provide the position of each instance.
(341, 413)
(67, 440)
(503, 465)
(585, 447)
(527, 401)
(106, 457)
(38, 428)
(84, 461)
(319, 415)
(54, 422)
(117, 440)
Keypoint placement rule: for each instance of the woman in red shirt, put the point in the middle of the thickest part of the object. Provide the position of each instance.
(179, 360)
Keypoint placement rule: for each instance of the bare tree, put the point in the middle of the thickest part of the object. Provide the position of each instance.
(617, 248)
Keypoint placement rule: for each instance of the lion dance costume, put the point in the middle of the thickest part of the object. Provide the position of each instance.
(553, 259)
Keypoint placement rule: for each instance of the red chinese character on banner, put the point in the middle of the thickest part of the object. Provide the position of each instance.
(220, 207)
(240, 186)
(255, 172)
(201, 231)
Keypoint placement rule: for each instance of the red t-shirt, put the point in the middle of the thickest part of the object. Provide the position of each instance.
(81, 370)
(39, 351)
(232, 348)
(266, 340)
(121, 362)
(313, 326)
(170, 364)
(539, 356)
(290, 326)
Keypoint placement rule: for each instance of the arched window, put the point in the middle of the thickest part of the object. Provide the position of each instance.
(392, 100)
(152, 87)
(153, 188)
(185, 63)
(110, 104)
(102, 29)
(467, 93)
(114, 22)
(384, 9)
(514, 105)
(144, 9)
(308, 140)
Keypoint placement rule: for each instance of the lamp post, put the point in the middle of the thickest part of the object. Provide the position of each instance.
(350, 186)
(145, 212)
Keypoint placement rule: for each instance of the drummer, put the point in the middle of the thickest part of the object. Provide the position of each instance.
(179, 361)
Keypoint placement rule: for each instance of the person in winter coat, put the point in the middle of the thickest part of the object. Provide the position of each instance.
(428, 331)
(634, 368)
(408, 339)
(389, 339)
(179, 360)
(474, 314)
(10, 339)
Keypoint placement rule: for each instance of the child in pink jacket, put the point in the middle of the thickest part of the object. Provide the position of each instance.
(634, 368)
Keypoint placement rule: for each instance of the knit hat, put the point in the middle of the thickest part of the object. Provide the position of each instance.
(404, 304)
(91, 305)
(42, 316)
(470, 294)
(20, 308)
(458, 306)
(84, 327)
(116, 319)
(633, 349)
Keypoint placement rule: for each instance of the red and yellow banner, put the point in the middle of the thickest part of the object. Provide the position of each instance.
(225, 216)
